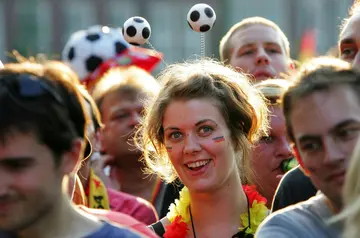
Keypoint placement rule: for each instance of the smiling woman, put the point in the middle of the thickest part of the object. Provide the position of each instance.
(200, 128)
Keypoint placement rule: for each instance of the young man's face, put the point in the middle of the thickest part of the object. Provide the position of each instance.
(326, 126)
(349, 43)
(30, 182)
(259, 51)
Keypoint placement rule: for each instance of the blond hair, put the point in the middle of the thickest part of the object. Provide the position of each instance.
(241, 105)
(226, 46)
(273, 89)
(354, 10)
(125, 80)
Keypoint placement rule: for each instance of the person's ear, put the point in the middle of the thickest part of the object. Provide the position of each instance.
(299, 159)
(71, 160)
(97, 141)
(100, 140)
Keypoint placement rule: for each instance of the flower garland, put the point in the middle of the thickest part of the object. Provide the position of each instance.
(179, 214)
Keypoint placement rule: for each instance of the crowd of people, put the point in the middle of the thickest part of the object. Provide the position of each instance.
(254, 144)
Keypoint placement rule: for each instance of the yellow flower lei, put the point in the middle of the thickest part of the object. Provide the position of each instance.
(258, 212)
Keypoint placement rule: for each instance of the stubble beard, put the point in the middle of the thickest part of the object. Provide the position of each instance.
(30, 218)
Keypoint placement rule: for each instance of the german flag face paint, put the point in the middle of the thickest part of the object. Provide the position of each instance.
(218, 139)
(168, 148)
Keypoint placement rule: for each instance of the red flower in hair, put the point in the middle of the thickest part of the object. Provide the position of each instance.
(177, 229)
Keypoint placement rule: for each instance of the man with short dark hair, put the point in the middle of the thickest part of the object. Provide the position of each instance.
(322, 114)
(295, 186)
(42, 128)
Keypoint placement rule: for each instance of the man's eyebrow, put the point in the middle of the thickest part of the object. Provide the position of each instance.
(17, 159)
(272, 43)
(331, 131)
(343, 124)
(304, 138)
(347, 41)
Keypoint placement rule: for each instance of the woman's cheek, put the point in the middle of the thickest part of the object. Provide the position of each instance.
(174, 149)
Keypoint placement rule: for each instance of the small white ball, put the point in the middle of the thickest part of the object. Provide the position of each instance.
(201, 17)
(136, 30)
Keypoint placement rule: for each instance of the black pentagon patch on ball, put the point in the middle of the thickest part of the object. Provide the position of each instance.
(119, 47)
(92, 63)
(71, 53)
(204, 28)
(93, 37)
(208, 12)
(138, 20)
(131, 31)
(195, 16)
(146, 32)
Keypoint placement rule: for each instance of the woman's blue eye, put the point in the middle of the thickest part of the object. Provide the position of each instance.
(206, 130)
(175, 135)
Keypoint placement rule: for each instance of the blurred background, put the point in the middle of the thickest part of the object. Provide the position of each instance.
(44, 26)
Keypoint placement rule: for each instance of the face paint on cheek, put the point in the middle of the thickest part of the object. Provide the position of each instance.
(218, 139)
(168, 148)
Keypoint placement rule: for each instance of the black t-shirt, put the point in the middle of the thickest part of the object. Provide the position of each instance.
(167, 195)
(294, 187)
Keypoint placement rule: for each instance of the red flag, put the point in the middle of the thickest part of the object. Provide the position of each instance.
(307, 45)
(143, 58)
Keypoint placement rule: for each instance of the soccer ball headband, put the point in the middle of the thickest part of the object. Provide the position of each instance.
(90, 53)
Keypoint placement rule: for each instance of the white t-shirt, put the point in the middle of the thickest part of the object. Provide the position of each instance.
(303, 220)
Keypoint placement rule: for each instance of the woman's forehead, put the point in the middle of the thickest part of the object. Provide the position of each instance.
(191, 113)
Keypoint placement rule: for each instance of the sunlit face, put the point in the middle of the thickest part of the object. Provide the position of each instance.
(268, 154)
(350, 42)
(199, 145)
(30, 183)
(121, 114)
(259, 51)
(326, 126)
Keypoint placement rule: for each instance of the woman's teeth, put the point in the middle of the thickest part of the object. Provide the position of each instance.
(198, 164)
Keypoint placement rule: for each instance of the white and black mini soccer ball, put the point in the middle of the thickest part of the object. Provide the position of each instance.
(136, 30)
(87, 49)
(201, 17)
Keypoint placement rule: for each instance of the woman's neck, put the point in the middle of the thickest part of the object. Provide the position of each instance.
(218, 213)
